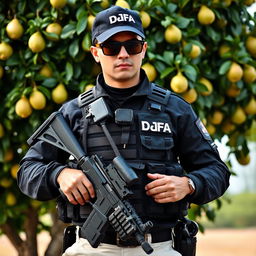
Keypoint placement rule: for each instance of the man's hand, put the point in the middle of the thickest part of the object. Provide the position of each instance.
(75, 186)
(166, 189)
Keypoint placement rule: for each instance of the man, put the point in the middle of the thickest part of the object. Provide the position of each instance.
(165, 143)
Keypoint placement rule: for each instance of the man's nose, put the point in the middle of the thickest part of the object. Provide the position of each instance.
(123, 53)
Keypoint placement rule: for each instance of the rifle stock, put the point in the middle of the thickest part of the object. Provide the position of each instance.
(110, 184)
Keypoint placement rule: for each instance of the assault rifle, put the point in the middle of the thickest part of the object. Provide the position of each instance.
(111, 185)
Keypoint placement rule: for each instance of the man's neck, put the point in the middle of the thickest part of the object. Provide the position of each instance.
(122, 83)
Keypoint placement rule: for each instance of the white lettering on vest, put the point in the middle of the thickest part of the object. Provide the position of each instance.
(121, 17)
(155, 126)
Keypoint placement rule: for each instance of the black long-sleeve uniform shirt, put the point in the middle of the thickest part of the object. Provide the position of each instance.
(195, 149)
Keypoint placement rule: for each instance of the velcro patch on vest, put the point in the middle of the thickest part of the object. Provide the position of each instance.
(203, 130)
(161, 127)
(156, 123)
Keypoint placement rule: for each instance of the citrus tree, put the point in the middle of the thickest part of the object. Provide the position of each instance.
(203, 50)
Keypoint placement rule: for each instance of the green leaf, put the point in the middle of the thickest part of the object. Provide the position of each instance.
(74, 48)
(166, 72)
(187, 48)
(225, 67)
(51, 35)
(86, 43)
(191, 32)
(81, 25)
(13, 60)
(183, 3)
(50, 82)
(69, 71)
(168, 57)
(213, 34)
(190, 72)
(182, 22)
(45, 91)
(68, 31)
(172, 7)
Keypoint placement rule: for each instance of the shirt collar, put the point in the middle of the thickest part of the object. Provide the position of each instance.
(143, 90)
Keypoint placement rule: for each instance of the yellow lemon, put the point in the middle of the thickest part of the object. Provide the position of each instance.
(232, 90)
(36, 42)
(104, 4)
(55, 28)
(6, 51)
(37, 100)
(228, 127)
(179, 83)
(46, 71)
(190, 95)
(216, 117)
(250, 44)
(223, 49)
(5, 182)
(14, 29)
(145, 19)
(235, 72)
(250, 108)
(1, 131)
(150, 71)
(10, 199)
(88, 87)
(208, 85)
(14, 170)
(8, 155)
(249, 74)
(58, 3)
(195, 51)
(205, 15)
(172, 34)
(122, 3)
(59, 94)
(210, 128)
(23, 107)
(239, 116)
(91, 19)
(249, 2)
(242, 158)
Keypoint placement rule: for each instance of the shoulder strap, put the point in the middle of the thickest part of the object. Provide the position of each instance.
(159, 94)
(86, 98)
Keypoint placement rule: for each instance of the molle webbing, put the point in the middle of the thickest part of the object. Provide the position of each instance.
(94, 140)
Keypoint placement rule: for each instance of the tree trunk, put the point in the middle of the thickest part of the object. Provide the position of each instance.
(56, 232)
(27, 247)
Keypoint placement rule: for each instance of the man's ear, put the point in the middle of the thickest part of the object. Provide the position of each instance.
(145, 46)
(94, 52)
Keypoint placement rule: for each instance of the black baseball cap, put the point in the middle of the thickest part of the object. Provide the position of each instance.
(113, 20)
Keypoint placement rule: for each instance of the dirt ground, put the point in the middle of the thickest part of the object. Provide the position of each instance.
(220, 242)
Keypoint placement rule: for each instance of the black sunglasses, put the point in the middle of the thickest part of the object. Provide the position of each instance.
(112, 48)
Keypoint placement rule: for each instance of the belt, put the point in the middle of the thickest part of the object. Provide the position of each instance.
(156, 237)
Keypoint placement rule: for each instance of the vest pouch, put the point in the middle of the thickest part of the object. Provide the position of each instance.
(155, 136)
(155, 147)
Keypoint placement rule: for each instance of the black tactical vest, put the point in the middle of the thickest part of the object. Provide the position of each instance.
(146, 144)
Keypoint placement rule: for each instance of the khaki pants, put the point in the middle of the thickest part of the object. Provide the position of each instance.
(82, 248)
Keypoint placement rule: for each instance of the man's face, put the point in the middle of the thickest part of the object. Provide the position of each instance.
(123, 69)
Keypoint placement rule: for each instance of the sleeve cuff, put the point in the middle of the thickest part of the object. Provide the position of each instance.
(198, 186)
(54, 175)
